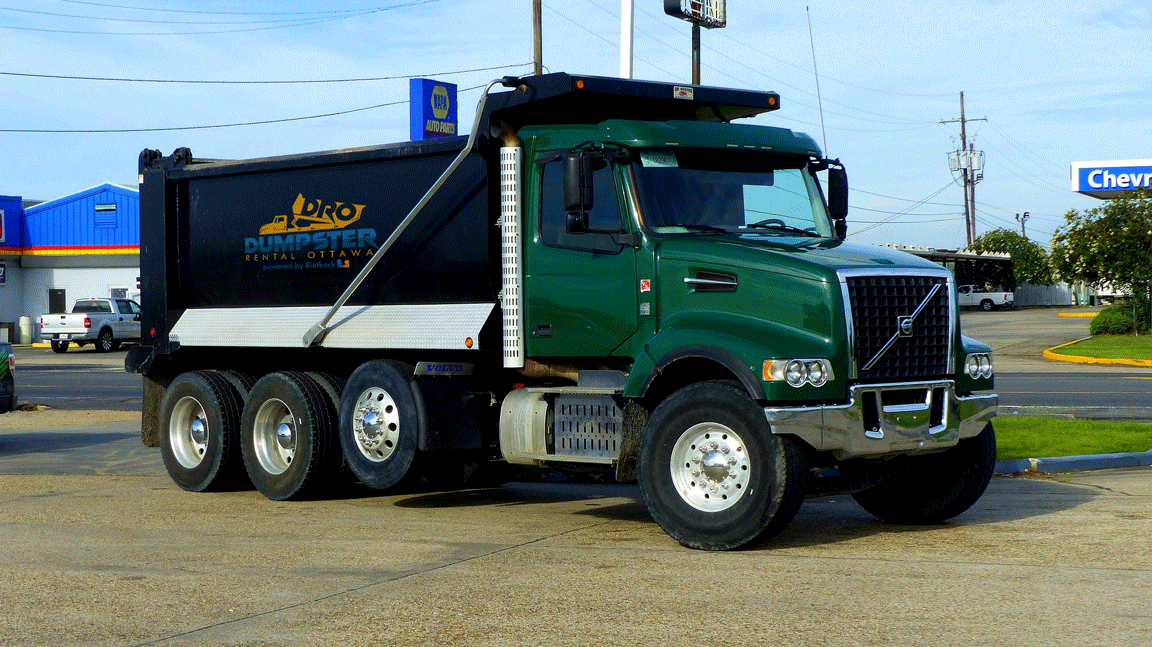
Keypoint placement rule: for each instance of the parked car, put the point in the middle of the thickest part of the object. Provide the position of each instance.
(974, 296)
(104, 322)
(7, 378)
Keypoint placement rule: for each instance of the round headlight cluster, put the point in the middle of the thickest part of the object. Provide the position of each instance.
(798, 372)
(979, 365)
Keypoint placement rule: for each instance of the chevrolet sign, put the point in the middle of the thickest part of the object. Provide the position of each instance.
(1111, 179)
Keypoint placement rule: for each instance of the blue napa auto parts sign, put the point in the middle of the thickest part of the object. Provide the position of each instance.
(432, 109)
(1110, 179)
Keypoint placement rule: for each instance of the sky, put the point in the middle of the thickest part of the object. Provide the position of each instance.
(1044, 83)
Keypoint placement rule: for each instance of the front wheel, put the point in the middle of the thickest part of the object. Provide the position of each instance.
(712, 473)
(937, 487)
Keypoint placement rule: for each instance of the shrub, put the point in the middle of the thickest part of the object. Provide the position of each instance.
(1117, 319)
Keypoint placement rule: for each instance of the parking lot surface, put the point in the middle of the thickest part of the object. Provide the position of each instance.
(107, 551)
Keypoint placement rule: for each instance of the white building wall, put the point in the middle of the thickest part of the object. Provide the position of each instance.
(77, 282)
(11, 298)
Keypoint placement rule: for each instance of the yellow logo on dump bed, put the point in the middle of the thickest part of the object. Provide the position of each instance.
(313, 216)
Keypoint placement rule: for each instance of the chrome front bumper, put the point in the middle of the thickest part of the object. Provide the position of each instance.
(888, 419)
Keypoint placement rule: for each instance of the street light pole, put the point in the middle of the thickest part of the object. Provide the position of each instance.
(1022, 219)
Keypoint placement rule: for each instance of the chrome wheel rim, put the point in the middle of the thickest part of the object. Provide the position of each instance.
(188, 432)
(274, 436)
(376, 424)
(710, 467)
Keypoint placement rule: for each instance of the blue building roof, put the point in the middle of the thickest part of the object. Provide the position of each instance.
(102, 220)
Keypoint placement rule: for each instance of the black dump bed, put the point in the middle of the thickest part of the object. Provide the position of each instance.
(293, 231)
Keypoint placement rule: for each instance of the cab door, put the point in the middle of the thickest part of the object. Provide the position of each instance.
(580, 289)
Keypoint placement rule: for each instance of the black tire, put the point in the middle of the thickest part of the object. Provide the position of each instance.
(288, 440)
(937, 487)
(105, 343)
(987, 306)
(333, 388)
(59, 346)
(380, 425)
(752, 487)
(200, 433)
(242, 382)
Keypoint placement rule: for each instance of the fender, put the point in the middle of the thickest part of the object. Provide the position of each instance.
(740, 344)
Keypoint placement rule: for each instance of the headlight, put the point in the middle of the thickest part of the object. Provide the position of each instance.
(978, 365)
(798, 372)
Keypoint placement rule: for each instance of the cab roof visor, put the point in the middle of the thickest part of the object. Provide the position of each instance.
(564, 98)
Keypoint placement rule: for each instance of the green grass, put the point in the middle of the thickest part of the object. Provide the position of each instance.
(1036, 437)
(1111, 347)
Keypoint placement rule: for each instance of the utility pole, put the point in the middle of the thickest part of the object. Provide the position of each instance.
(1022, 219)
(537, 38)
(970, 161)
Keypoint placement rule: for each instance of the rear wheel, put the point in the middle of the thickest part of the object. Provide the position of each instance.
(200, 429)
(105, 343)
(59, 346)
(379, 425)
(987, 305)
(289, 443)
(933, 488)
(712, 473)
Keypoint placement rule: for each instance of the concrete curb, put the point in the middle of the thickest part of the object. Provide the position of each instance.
(1074, 463)
(1053, 355)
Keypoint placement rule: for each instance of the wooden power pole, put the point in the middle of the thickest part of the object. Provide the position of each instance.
(969, 161)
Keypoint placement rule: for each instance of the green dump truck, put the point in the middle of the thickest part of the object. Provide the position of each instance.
(606, 275)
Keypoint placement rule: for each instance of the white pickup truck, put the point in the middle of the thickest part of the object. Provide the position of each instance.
(104, 322)
(974, 296)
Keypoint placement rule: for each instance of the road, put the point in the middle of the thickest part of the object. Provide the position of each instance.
(79, 379)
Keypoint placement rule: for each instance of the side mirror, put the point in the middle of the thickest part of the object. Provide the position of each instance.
(577, 182)
(576, 222)
(837, 193)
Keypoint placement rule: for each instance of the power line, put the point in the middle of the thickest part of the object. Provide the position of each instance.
(158, 22)
(284, 82)
(92, 131)
(213, 13)
(297, 23)
(888, 220)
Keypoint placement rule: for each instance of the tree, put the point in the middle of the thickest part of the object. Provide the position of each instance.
(1111, 244)
(1030, 263)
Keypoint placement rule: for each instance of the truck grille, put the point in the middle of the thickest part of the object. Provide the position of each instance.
(881, 310)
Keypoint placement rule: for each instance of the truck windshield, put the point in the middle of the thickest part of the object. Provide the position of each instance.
(721, 191)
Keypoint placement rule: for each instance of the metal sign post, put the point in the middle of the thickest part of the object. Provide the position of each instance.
(701, 13)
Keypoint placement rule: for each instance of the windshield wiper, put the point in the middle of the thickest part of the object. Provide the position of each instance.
(701, 227)
(781, 227)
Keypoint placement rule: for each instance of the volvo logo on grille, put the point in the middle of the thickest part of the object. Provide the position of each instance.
(905, 326)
